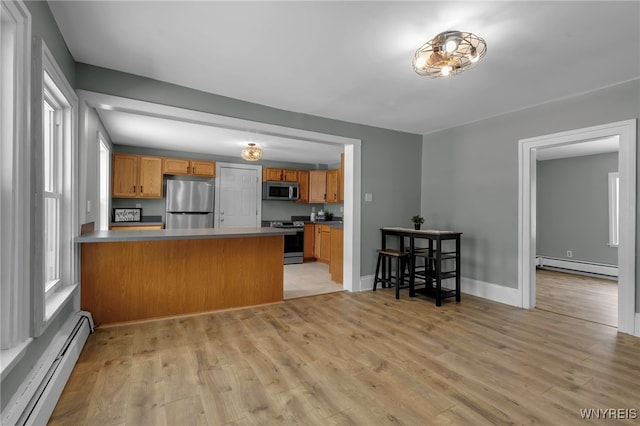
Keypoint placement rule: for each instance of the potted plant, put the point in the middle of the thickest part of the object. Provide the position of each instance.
(417, 221)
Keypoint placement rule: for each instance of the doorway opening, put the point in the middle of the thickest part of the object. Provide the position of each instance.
(528, 151)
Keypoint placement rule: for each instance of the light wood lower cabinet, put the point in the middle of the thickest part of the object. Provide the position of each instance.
(309, 238)
(325, 244)
(317, 240)
(336, 256)
(139, 280)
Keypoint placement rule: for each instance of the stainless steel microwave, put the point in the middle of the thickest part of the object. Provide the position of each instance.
(288, 191)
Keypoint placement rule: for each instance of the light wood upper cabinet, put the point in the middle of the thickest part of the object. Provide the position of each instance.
(332, 186)
(283, 175)
(124, 176)
(181, 166)
(203, 168)
(303, 186)
(150, 177)
(317, 186)
(136, 176)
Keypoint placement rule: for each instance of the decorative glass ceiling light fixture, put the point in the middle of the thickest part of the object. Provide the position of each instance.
(251, 153)
(449, 53)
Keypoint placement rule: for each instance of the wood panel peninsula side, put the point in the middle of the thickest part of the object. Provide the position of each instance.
(139, 275)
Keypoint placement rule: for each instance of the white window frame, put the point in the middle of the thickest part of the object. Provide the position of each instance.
(15, 172)
(51, 84)
(614, 209)
(104, 182)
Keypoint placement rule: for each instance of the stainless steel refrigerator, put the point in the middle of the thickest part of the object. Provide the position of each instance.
(189, 204)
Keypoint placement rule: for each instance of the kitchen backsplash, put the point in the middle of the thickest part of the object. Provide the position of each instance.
(271, 210)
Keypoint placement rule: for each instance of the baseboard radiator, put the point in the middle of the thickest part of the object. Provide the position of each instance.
(578, 266)
(37, 399)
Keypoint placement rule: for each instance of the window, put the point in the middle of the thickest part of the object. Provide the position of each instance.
(52, 192)
(55, 274)
(614, 209)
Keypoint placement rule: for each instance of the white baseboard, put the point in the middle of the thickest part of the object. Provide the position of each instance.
(636, 331)
(578, 266)
(35, 400)
(497, 293)
(366, 283)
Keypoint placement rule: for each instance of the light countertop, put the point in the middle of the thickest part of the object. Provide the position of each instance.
(179, 234)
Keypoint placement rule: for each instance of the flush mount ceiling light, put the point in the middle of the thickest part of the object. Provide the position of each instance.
(251, 153)
(449, 53)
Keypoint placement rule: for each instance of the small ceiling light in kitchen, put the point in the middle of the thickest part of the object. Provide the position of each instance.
(251, 153)
(449, 53)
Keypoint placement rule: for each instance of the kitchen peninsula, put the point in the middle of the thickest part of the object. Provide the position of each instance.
(138, 275)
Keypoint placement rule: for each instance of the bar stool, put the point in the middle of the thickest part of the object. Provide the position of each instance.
(399, 282)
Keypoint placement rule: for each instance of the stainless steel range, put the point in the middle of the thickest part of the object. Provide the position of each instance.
(293, 244)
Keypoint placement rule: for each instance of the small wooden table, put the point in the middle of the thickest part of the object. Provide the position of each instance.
(434, 257)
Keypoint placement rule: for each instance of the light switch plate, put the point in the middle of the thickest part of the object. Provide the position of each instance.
(368, 197)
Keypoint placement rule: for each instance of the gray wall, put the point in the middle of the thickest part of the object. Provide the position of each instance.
(42, 26)
(470, 175)
(573, 208)
(390, 159)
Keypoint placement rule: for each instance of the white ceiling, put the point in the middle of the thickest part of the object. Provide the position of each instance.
(352, 60)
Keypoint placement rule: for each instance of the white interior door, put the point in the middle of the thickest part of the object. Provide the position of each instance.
(239, 199)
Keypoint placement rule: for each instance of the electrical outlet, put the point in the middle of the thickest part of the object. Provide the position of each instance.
(569, 253)
(138, 205)
(368, 197)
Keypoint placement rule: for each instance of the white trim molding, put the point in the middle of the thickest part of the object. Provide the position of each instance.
(625, 131)
(15, 183)
(637, 330)
(495, 292)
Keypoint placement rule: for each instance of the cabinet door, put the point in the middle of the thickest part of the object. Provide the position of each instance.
(335, 262)
(332, 186)
(150, 177)
(271, 174)
(289, 175)
(317, 241)
(203, 168)
(124, 176)
(303, 182)
(309, 237)
(317, 186)
(325, 245)
(175, 166)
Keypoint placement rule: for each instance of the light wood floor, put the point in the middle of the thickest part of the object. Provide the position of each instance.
(353, 359)
(578, 296)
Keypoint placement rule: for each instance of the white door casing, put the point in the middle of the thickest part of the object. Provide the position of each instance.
(626, 131)
(238, 196)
